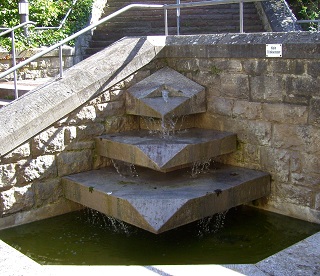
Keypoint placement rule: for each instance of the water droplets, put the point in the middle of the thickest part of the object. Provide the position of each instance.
(201, 166)
(125, 169)
(211, 225)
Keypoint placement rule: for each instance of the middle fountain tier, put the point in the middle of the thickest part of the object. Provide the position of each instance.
(168, 191)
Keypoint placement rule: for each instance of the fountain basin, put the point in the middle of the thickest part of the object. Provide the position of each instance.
(166, 153)
(160, 202)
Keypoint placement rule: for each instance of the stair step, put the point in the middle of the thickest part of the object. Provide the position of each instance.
(197, 20)
(159, 202)
(7, 93)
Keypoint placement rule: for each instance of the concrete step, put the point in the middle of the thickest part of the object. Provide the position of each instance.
(159, 202)
(7, 93)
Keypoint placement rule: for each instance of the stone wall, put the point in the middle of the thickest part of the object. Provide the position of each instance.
(272, 104)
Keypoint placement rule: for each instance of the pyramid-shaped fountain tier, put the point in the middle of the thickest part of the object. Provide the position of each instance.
(159, 202)
(165, 94)
(166, 153)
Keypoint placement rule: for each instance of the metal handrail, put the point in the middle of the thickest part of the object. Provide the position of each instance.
(13, 49)
(122, 10)
(310, 21)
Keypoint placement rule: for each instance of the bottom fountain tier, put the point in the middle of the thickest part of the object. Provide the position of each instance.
(158, 202)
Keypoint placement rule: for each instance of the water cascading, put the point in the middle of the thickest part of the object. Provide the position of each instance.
(164, 192)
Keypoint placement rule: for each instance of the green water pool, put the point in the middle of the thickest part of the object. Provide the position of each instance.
(241, 235)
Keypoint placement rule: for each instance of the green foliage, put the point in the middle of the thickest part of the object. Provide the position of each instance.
(306, 10)
(47, 13)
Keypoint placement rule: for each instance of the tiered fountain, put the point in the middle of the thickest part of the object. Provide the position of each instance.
(163, 191)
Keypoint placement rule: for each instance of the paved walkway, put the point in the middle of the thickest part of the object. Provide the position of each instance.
(301, 259)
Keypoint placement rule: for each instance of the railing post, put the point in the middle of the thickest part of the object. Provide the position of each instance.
(60, 61)
(241, 16)
(14, 63)
(178, 18)
(166, 31)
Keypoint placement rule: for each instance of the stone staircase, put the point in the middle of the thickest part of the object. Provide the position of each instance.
(198, 20)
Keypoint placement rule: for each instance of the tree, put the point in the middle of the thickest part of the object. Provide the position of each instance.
(48, 13)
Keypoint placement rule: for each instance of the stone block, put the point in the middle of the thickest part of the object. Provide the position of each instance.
(187, 65)
(287, 66)
(218, 66)
(297, 137)
(317, 201)
(294, 194)
(253, 132)
(255, 67)
(313, 68)
(314, 116)
(247, 110)
(235, 86)
(251, 155)
(48, 141)
(302, 88)
(70, 134)
(47, 191)
(36, 169)
(212, 83)
(267, 88)
(83, 115)
(306, 179)
(89, 131)
(310, 163)
(74, 162)
(285, 113)
(16, 199)
(81, 145)
(110, 109)
(121, 123)
(8, 176)
(20, 152)
(276, 162)
(221, 106)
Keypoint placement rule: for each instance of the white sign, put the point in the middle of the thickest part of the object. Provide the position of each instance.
(273, 50)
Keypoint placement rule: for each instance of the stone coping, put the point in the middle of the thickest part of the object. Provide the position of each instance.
(302, 258)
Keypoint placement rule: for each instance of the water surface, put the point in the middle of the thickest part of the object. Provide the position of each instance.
(242, 235)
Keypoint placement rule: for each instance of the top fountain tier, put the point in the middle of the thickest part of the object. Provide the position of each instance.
(165, 94)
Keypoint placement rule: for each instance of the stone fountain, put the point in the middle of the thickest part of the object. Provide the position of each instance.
(160, 187)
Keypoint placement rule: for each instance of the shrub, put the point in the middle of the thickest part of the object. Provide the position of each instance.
(306, 10)
(48, 13)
